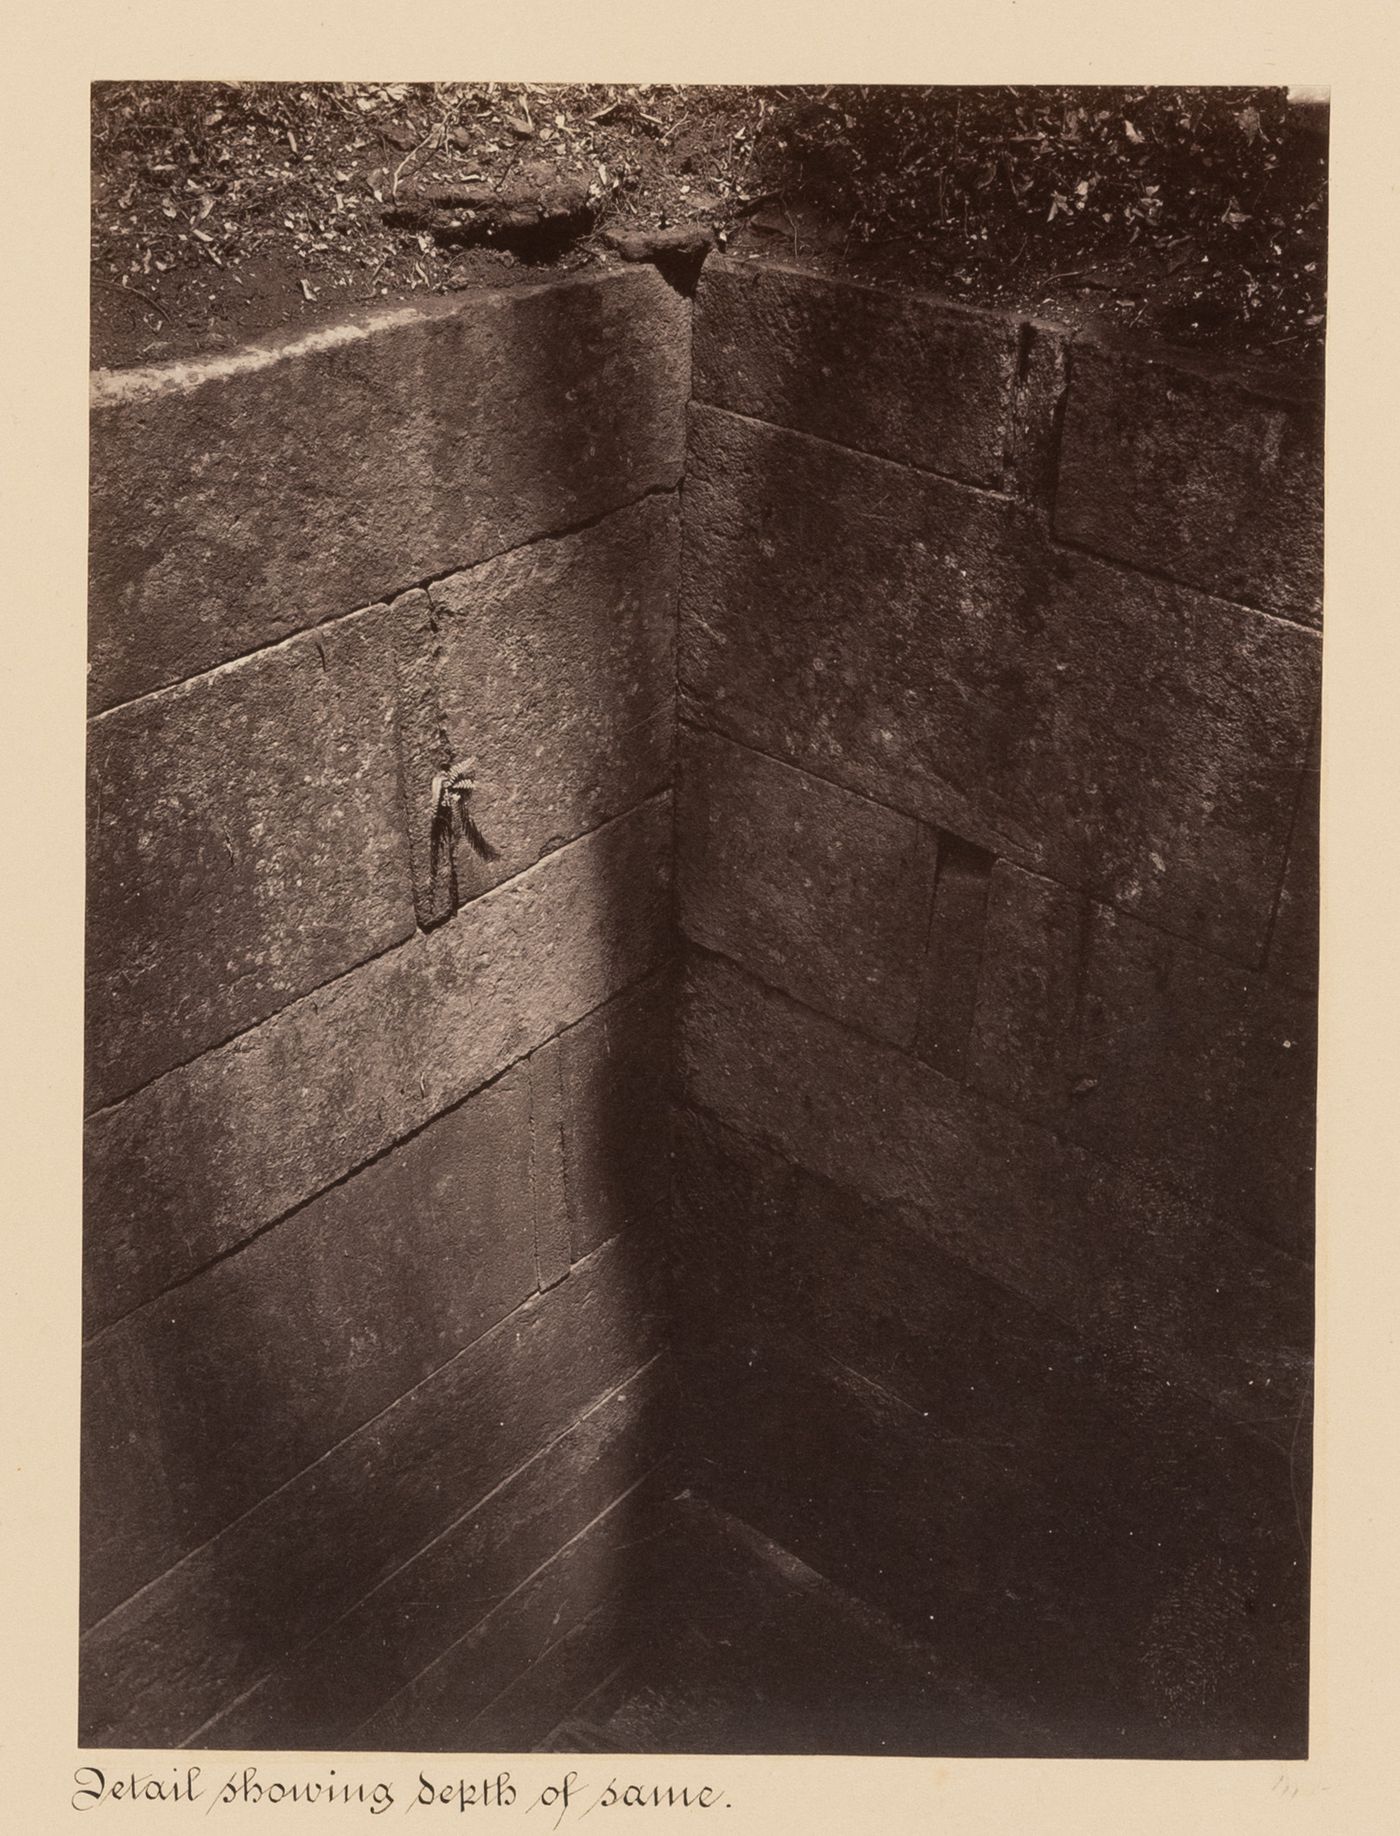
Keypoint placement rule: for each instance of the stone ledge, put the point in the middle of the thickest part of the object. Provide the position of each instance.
(238, 501)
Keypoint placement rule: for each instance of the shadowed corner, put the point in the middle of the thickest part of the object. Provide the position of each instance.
(724, 1280)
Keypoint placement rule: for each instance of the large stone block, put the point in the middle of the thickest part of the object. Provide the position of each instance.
(899, 374)
(616, 1068)
(1150, 1052)
(1135, 1587)
(246, 844)
(761, 1247)
(329, 1686)
(502, 1686)
(926, 645)
(206, 1400)
(1126, 1262)
(238, 499)
(777, 1659)
(1204, 478)
(203, 1157)
(818, 891)
(553, 670)
(184, 1647)
(1024, 1045)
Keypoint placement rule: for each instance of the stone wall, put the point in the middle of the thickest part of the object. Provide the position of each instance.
(372, 1375)
(961, 730)
(993, 1191)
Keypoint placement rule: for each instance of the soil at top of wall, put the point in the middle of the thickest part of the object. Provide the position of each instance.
(228, 211)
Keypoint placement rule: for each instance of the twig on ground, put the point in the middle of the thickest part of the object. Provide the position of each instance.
(135, 293)
(438, 127)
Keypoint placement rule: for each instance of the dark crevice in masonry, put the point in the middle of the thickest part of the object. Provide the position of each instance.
(1015, 406)
(955, 855)
(1016, 856)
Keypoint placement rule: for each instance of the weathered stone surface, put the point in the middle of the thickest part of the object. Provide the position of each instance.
(203, 1402)
(1033, 435)
(1024, 1046)
(1123, 1261)
(948, 978)
(1135, 1586)
(425, 753)
(776, 1659)
(617, 1089)
(897, 374)
(183, 1648)
(1203, 478)
(246, 844)
(553, 671)
(551, 1204)
(1293, 948)
(240, 499)
(501, 1687)
(818, 891)
(200, 1159)
(761, 1247)
(681, 239)
(925, 645)
(329, 1686)
(1152, 1053)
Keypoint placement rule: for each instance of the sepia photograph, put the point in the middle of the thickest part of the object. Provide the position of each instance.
(702, 894)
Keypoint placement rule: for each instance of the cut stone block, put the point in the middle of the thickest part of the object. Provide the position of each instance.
(185, 1647)
(246, 845)
(1201, 477)
(328, 1686)
(1121, 1259)
(899, 374)
(200, 1159)
(925, 645)
(818, 891)
(553, 672)
(238, 499)
(1293, 948)
(1152, 1053)
(203, 1402)
(617, 1088)
(551, 1205)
